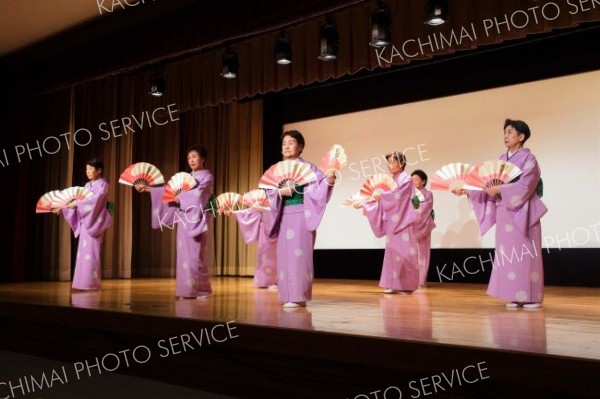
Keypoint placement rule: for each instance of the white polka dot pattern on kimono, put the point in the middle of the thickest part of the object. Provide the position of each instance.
(179, 243)
(413, 251)
(512, 276)
(298, 252)
(405, 237)
(100, 219)
(191, 282)
(289, 234)
(521, 296)
(88, 208)
(185, 265)
(197, 193)
(515, 200)
(394, 274)
(395, 218)
(397, 258)
(268, 270)
(397, 196)
(528, 165)
(84, 243)
(264, 257)
(502, 248)
(535, 277)
(509, 228)
(307, 213)
(156, 211)
(88, 257)
(95, 275)
(248, 235)
(282, 275)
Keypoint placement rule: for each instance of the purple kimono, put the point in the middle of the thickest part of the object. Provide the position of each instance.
(294, 227)
(422, 228)
(89, 220)
(192, 276)
(394, 217)
(517, 275)
(254, 227)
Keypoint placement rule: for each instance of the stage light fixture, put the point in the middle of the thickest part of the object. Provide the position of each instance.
(329, 41)
(437, 12)
(230, 65)
(381, 26)
(157, 86)
(283, 50)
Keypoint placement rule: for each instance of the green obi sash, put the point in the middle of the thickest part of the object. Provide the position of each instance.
(111, 207)
(539, 189)
(416, 202)
(297, 197)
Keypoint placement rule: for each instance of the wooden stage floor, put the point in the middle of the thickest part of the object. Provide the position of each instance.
(454, 314)
(350, 341)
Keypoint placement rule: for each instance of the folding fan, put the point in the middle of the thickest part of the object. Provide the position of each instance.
(179, 182)
(492, 173)
(69, 195)
(44, 204)
(141, 174)
(227, 202)
(450, 176)
(334, 159)
(355, 201)
(256, 198)
(287, 173)
(378, 183)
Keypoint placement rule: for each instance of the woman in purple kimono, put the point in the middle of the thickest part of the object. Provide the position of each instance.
(254, 225)
(188, 212)
(89, 219)
(516, 209)
(295, 215)
(392, 215)
(423, 225)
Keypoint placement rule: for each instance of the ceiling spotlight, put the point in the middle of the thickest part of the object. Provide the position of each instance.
(157, 86)
(381, 26)
(437, 12)
(329, 41)
(230, 65)
(283, 50)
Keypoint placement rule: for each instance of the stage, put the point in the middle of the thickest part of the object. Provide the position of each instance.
(351, 340)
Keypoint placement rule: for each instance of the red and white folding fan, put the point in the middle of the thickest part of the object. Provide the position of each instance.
(256, 198)
(492, 173)
(69, 195)
(287, 173)
(44, 204)
(378, 183)
(228, 202)
(334, 159)
(141, 174)
(355, 201)
(177, 184)
(451, 176)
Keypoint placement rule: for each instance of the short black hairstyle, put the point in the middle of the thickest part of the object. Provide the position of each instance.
(519, 126)
(200, 150)
(421, 174)
(398, 156)
(95, 163)
(295, 135)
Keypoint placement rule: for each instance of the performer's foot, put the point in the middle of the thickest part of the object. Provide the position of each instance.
(272, 287)
(390, 291)
(202, 296)
(512, 305)
(405, 292)
(289, 305)
(535, 305)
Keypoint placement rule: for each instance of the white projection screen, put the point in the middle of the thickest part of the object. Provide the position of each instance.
(564, 117)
